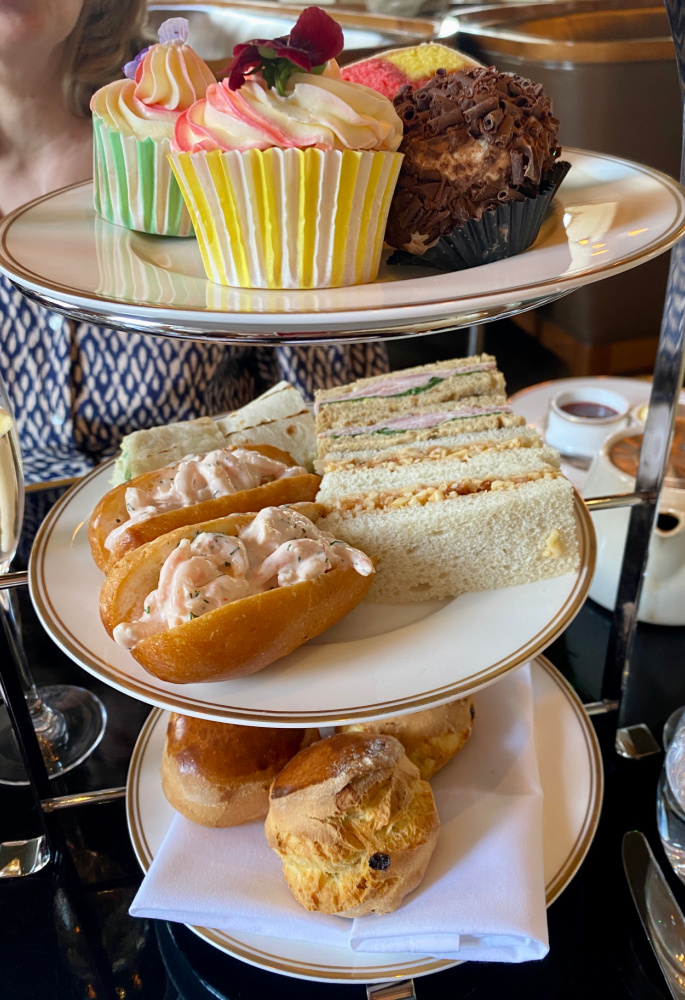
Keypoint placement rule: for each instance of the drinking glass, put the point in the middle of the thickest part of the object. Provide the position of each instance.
(69, 721)
(670, 799)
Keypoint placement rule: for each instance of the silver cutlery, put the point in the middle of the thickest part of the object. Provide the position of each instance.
(661, 916)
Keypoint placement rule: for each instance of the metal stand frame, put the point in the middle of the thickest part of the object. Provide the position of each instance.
(669, 365)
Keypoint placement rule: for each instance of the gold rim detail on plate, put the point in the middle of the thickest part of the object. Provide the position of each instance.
(16, 270)
(186, 704)
(307, 970)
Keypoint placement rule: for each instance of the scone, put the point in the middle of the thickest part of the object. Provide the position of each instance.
(429, 738)
(218, 774)
(353, 824)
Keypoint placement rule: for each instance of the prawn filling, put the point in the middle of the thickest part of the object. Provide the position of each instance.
(278, 548)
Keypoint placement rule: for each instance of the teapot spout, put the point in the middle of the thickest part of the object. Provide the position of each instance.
(667, 546)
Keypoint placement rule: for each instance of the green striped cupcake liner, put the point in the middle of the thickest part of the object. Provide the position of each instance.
(133, 184)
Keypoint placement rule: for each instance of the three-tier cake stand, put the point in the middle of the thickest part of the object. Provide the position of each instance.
(609, 215)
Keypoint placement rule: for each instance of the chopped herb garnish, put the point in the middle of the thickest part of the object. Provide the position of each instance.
(147, 610)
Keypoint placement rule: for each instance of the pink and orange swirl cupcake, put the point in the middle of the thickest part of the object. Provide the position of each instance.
(133, 122)
(286, 169)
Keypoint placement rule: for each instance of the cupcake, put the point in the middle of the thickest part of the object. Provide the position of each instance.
(413, 65)
(133, 122)
(287, 170)
(480, 168)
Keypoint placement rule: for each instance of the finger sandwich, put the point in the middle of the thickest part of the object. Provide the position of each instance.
(450, 460)
(279, 417)
(446, 506)
(438, 538)
(417, 404)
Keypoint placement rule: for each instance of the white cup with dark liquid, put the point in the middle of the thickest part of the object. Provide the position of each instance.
(580, 420)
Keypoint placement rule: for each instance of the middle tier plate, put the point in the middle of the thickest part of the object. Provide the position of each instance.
(379, 661)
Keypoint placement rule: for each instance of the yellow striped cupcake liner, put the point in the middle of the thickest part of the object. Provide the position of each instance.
(288, 218)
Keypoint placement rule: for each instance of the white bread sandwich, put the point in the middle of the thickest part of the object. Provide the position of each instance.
(443, 484)
(414, 406)
(478, 459)
(456, 447)
(441, 538)
(279, 417)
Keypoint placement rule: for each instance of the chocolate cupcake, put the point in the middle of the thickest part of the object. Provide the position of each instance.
(480, 168)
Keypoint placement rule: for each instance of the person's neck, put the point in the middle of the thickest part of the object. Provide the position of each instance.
(42, 145)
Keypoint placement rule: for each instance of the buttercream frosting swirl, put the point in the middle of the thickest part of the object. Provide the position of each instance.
(169, 79)
(321, 111)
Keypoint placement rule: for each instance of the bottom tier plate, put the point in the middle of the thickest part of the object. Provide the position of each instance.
(571, 774)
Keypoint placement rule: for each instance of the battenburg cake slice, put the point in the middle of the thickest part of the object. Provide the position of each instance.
(414, 66)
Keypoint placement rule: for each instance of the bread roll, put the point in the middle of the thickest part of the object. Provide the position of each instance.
(145, 594)
(353, 824)
(429, 738)
(112, 531)
(218, 774)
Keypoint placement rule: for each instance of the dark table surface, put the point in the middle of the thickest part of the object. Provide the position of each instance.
(65, 932)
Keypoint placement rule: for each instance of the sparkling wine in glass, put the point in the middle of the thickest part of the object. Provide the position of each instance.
(69, 721)
(11, 489)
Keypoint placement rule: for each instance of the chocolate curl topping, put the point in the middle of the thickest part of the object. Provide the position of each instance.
(445, 121)
(517, 171)
(490, 121)
(406, 111)
(472, 139)
(482, 108)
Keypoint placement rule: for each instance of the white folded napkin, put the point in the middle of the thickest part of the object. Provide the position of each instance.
(483, 896)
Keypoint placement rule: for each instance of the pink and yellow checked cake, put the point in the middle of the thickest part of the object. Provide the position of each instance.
(414, 65)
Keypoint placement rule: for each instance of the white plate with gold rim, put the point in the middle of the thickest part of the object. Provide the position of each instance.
(381, 660)
(608, 215)
(571, 774)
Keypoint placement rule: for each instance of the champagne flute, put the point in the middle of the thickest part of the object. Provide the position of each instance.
(69, 721)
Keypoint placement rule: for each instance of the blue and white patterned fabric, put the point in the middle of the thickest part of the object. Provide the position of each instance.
(78, 389)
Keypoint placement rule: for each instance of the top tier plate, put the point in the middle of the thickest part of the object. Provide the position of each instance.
(609, 215)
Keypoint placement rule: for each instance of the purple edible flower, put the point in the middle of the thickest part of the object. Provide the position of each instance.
(174, 29)
(131, 67)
